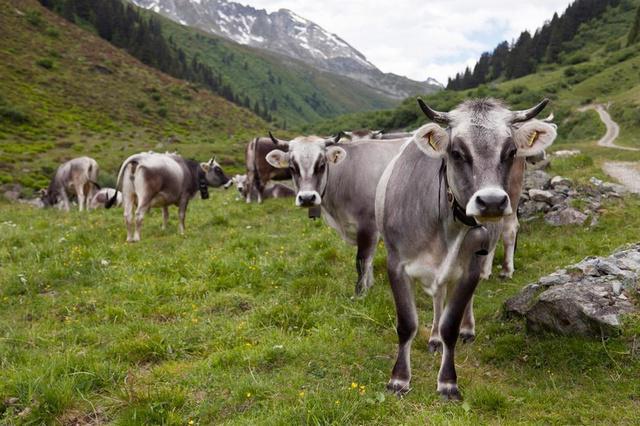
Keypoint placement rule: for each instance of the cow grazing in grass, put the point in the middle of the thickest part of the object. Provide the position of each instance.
(259, 171)
(341, 181)
(160, 180)
(102, 197)
(439, 207)
(78, 176)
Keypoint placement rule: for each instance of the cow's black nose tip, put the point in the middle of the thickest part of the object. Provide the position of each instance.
(492, 204)
(307, 200)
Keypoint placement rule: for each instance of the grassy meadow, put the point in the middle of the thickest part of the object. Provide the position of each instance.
(248, 319)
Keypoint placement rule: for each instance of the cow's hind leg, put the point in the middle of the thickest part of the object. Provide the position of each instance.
(81, 197)
(143, 208)
(468, 325)
(407, 325)
(435, 341)
(165, 217)
(367, 240)
(509, 238)
(128, 218)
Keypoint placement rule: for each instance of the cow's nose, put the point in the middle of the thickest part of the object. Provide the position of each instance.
(307, 200)
(489, 203)
(492, 204)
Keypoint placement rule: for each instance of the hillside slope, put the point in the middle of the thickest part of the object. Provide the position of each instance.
(607, 72)
(65, 92)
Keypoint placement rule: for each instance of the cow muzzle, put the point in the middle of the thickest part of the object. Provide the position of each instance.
(489, 204)
(308, 199)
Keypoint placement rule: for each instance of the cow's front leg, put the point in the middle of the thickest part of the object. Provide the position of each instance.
(406, 327)
(510, 239)
(165, 217)
(468, 325)
(182, 213)
(367, 239)
(459, 298)
(65, 200)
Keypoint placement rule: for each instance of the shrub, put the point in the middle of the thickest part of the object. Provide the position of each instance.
(33, 17)
(13, 115)
(45, 63)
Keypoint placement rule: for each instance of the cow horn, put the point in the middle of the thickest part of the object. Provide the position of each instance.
(435, 116)
(528, 114)
(274, 140)
(335, 139)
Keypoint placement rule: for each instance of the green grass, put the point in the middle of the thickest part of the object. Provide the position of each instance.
(248, 320)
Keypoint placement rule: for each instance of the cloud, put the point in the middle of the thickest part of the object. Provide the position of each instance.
(422, 38)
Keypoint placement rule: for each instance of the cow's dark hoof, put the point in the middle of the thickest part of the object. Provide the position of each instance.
(434, 346)
(361, 291)
(449, 392)
(399, 387)
(467, 336)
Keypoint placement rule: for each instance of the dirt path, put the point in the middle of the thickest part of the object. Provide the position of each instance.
(627, 173)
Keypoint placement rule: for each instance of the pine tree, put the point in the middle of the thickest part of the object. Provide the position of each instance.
(635, 29)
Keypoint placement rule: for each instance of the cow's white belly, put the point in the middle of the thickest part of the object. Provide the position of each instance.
(346, 226)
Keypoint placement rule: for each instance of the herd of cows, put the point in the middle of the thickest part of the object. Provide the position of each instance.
(440, 198)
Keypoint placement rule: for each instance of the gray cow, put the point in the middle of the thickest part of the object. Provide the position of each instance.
(271, 190)
(102, 197)
(77, 176)
(439, 207)
(160, 180)
(341, 180)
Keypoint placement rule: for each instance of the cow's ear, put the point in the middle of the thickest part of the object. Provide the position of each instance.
(335, 154)
(534, 137)
(278, 159)
(432, 140)
(205, 167)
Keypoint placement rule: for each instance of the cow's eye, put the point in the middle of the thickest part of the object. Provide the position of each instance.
(509, 153)
(320, 167)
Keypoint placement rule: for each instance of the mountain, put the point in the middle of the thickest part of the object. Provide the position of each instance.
(286, 33)
(65, 92)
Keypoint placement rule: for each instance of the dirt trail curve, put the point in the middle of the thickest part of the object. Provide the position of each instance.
(627, 173)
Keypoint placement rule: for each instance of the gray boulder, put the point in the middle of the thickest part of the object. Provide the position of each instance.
(536, 179)
(567, 216)
(588, 298)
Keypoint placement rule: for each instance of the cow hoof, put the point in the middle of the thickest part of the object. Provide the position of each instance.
(467, 336)
(506, 275)
(399, 387)
(449, 392)
(434, 346)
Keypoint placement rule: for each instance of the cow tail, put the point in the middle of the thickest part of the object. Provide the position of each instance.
(112, 201)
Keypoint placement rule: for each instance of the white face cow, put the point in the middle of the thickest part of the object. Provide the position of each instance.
(480, 146)
(307, 158)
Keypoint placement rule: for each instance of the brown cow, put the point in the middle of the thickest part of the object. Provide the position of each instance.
(259, 171)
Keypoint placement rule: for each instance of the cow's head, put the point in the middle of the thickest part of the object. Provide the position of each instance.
(214, 175)
(479, 146)
(241, 184)
(49, 197)
(308, 158)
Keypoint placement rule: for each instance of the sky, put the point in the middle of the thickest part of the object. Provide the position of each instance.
(422, 38)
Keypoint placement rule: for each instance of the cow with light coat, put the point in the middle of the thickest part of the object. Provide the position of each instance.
(161, 180)
(339, 182)
(272, 190)
(439, 207)
(102, 197)
(77, 176)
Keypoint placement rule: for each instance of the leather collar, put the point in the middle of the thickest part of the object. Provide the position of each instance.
(202, 185)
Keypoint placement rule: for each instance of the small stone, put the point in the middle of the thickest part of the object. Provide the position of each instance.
(568, 216)
(559, 180)
(541, 195)
(616, 287)
(567, 153)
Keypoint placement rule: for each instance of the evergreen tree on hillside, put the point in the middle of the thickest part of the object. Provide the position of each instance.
(635, 29)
